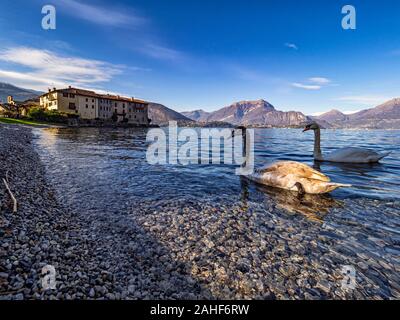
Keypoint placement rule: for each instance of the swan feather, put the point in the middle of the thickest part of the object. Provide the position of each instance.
(354, 155)
(289, 174)
(292, 167)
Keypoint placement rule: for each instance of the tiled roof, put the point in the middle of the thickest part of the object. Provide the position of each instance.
(93, 94)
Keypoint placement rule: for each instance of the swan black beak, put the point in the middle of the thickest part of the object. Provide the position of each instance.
(306, 129)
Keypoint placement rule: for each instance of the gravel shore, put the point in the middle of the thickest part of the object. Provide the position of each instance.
(83, 252)
(179, 248)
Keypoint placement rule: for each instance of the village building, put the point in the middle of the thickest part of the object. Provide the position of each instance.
(90, 105)
(10, 100)
(3, 110)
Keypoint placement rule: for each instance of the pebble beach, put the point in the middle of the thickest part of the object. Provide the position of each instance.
(185, 248)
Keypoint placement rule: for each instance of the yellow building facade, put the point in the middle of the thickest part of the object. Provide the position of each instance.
(89, 105)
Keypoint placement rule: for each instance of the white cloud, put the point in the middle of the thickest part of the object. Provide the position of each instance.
(291, 46)
(313, 83)
(101, 15)
(316, 114)
(159, 52)
(368, 100)
(47, 68)
(351, 111)
(319, 80)
(306, 86)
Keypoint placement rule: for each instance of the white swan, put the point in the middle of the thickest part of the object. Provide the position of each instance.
(344, 155)
(290, 175)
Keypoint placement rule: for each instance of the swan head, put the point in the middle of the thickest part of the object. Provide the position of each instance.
(311, 126)
(241, 128)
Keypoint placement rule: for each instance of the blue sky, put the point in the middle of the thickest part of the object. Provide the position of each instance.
(208, 54)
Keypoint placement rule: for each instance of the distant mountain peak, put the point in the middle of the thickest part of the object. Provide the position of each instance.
(160, 114)
(256, 112)
(332, 116)
(335, 111)
(250, 103)
(19, 94)
(196, 115)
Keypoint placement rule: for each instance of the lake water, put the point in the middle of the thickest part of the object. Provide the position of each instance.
(306, 241)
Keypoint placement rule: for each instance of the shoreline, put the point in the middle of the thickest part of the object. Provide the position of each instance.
(173, 248)
(92, 259)
(39, 233)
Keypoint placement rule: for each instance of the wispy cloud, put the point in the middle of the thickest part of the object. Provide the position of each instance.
(160, 52)
(320, 80)
(46, 68)
(291, 46)
(144, 42)
(365, 100)
(316, 114)
(347, 112)
(306, 86)
(313, 83)
(101, 15)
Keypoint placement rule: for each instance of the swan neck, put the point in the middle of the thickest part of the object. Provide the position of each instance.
(317, 144)
(244, 137)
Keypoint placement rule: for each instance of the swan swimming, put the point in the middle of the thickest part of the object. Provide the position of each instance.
(344, 155)
(290, 175)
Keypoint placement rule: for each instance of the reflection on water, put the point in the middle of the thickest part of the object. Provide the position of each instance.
(312, 206)
(118, 156)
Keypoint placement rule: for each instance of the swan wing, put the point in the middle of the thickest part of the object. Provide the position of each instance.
(300, 170)
(354, 155)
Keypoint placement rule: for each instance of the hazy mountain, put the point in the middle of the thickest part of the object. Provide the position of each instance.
(387, 110)
(332, 116)
(384, 116)
(19, 94)
(160, 114)
(255, 113)
(196, 115)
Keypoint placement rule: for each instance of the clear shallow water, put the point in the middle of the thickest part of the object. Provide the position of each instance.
(103, 172)
(119, 156)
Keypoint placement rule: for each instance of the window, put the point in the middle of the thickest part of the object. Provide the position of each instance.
(87, 106)
(65, 95)
(86, 99)
(92, 107)
(72, 106)
(92, 100)
(71, 95)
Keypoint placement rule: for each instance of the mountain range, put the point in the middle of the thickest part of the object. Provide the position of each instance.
(19, 94)
(160, 114)
(250, 113)
(261, 113)
(257, 113)
(384, 116)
